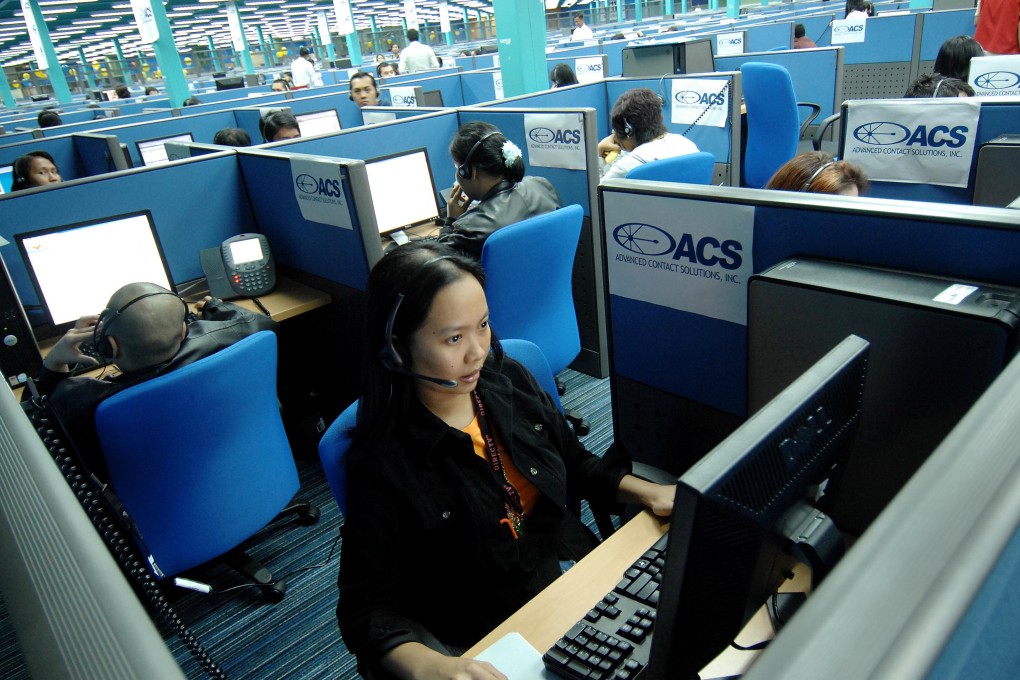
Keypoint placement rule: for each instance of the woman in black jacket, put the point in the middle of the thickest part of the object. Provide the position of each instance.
(458, 476)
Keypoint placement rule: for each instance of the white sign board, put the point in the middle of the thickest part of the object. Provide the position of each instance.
(700, 101)
(234, 23)
(694, 256)
(920, 141)
(403, 96)
(497, 83)
(41, 62)
(344, 18)
(845, 31)
(997, 76)
(556, 140)
(444, 16)
(588, 69)
(319, 190)
(729, 43)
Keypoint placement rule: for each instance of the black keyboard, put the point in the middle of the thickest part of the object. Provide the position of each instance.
(613, 640)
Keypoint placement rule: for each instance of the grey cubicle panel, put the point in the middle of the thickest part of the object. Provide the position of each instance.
(886, 62)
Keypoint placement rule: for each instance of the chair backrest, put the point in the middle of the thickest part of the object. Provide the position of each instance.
(530, 354)
(773, 121)
(199, 456)
(333, 446)
(692, 168)
(529, 282)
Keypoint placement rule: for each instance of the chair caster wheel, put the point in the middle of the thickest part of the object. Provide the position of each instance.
(309, 516)
(273, 593)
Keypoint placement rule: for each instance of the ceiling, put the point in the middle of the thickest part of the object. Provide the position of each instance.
(92, 24)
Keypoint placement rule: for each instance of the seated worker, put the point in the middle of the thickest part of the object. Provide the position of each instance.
(385, 70)
(279, 85)
(935, 85)
(819, 173)
(49, 118)
(191, 101)
(458, 476)
(639, 134)
(122, 92)
(490, 189)
(800, 39)
(34, 169)
(232, 137)
(953, 59)
(151, 90)
(144, 332)
(364, 91)
(277, 126)
(562, 75)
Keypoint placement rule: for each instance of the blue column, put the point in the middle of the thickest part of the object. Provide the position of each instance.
(56, 74)
(521, 41)
(267, 50)
(732, 7)
(619, 10)
(639, 10)
(86, 69)
(214, 56)
(5, 93)
(168, 58)
(668, 7)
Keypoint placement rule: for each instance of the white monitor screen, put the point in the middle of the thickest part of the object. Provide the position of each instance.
(318, 123)
(402, 190)
(6, 178)
(153, 151)
(78, 267)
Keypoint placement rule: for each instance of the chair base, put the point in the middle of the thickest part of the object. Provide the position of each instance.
(272, 590)
(581, 425)
(307, 513)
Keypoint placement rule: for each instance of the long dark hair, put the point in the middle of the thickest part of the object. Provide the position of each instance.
(418, 271)
(953, 60)
(488, 156)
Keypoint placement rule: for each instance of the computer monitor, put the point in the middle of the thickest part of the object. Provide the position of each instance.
(232, 83)
(728, 549)
(77, 267)
(402, 189)
(432, 98)
(110, 95)
(153, 151)
(6, 178)
(318, 122)
(679, 58)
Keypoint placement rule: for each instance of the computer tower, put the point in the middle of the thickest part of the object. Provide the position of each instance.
(936, 345)
(19, 354)
(995, 180)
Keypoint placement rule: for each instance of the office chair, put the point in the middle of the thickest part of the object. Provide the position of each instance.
(774, 128)
(220, 467)
(529, 270)
(693, 168)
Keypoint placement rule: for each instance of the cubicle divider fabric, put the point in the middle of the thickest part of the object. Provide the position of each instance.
(61, 148)
(202, 128)
(692, 363)
(101, 124)
(936, 28)
(195, 204)
(883, 65)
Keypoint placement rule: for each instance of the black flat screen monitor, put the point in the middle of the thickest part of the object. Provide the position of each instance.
(727, 551)
(677, 58)
(432, 98)
(77, 267)
(153, 151)
(402, 190)
(318, 122)
(232, 83)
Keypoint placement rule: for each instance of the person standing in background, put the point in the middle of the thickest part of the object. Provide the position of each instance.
(582, 30)
(416, 57)
(998, 26)
(302, 70)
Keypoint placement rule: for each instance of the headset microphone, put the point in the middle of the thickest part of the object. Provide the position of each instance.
(390, 356)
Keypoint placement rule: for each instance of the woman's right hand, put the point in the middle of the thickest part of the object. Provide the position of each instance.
(415, 661)
(458, 202)
(608, 145)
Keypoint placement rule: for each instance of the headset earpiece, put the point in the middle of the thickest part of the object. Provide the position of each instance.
(464, 171)
(101, 331)
(937, 86)
(389, 355)
(628, 129)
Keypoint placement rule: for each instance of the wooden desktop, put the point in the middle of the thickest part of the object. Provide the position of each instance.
(544, 619)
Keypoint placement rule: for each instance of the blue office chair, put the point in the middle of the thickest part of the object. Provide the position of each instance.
(774, 127)
(200, 459)
(529, 269)
(692, 168)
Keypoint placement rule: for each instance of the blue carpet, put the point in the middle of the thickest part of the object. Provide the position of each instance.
(297, 638)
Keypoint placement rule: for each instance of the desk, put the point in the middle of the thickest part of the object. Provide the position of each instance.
(544, 619)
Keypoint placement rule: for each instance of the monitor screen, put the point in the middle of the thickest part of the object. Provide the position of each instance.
(110, 95)
(6, 178)
(696, 57)
(76, 268)
(433, 98)
(318, 122)
(402, 189)
(727, 553)
(153, 151)
(231, 83)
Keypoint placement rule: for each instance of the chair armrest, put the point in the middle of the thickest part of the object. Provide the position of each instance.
(816, 140)
(650, 473)
(815, 110)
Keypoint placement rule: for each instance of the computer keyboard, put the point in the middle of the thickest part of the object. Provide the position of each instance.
(613, 640)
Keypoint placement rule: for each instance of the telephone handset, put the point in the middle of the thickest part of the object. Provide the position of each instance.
(242, 267)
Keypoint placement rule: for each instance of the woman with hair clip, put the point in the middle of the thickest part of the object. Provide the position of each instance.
(458, 476)
(34, 169)
(490, 190)
(639, 134)
(819, 173)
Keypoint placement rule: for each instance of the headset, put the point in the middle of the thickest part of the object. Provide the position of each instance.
(807, 184)
(464, 171)
(936, 92)
(390, 356)
(101, 331)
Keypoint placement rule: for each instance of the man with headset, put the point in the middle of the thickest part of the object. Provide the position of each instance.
(144, 331)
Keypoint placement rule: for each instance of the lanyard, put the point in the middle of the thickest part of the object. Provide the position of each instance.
(512, 501)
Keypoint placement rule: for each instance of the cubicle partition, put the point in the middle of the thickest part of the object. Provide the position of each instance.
(884, 64)
(678, 258)
(62, 149)
(817, 74)
(100, 124)
(767, 37)
(480, 86)
(202, 128)
(936, 28)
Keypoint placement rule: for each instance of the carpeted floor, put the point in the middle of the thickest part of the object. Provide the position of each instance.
(297, 638)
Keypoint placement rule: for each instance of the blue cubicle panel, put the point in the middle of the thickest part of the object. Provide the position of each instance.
(479, 86)
(937, 27)
(887, 39)
(819, 27)
(817, 74)
(101, 124)
(202, 127)
(701, 357)
(16, 137)
(591, 95)
(766, 37)
(195, 204)
(334, 253)
(61, 148)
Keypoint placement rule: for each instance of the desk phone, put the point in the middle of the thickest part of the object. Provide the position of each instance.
(241, 267)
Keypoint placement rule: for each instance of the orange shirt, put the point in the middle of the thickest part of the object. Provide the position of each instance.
(528, 492)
